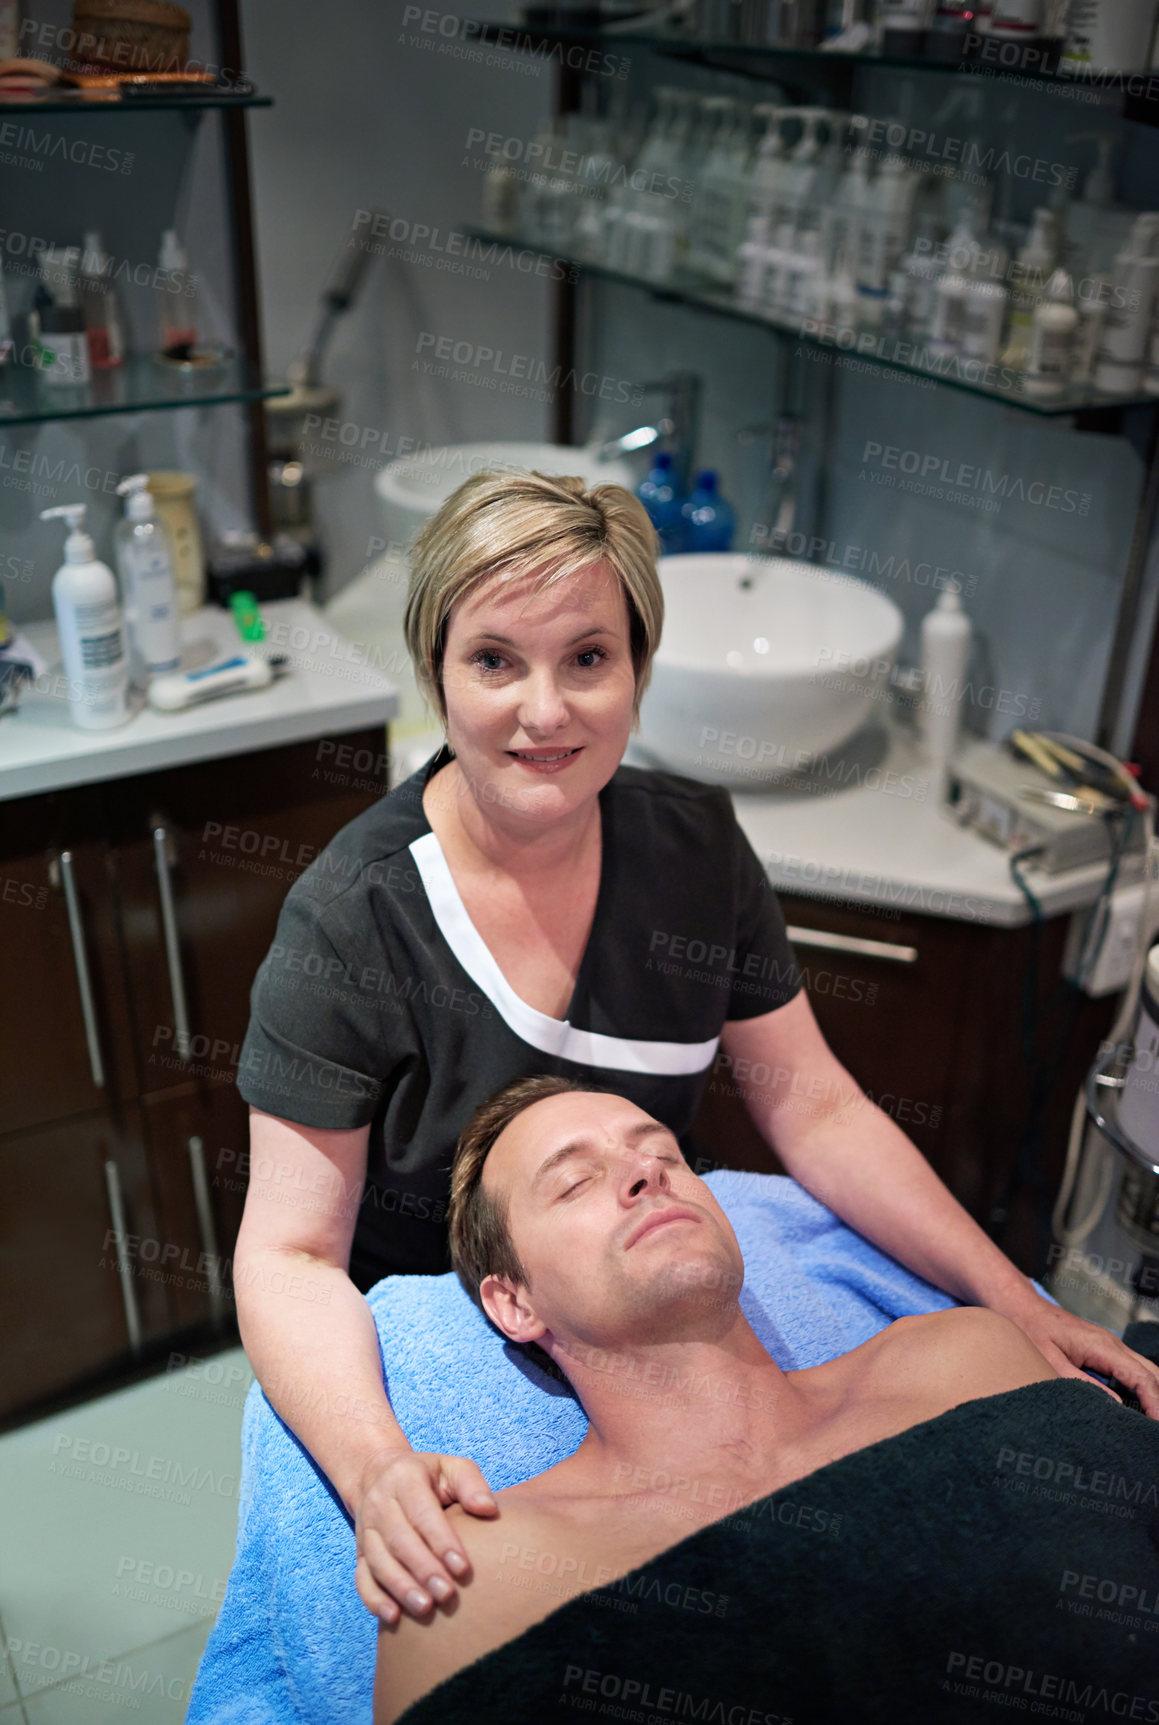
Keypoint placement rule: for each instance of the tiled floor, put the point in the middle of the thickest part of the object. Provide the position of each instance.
(119, 1524)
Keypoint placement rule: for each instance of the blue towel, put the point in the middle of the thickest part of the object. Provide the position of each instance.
(293, 1642)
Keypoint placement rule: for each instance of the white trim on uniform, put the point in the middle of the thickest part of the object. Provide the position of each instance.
(550, 1035)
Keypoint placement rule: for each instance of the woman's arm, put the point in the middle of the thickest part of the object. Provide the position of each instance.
(852, 1157)
(313, 1345)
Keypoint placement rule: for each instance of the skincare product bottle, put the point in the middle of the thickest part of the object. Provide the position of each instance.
(904, 24)
(1121, 359)
(843, 307)
(922, 272)
(100, 305)
(1094, 231)
(500, 203)
(724, 191)
(949, 310)
(841, 220)
(945, 655)
(1094, 300)
(983, 317)
(769, 164)
(600, 169)
(661, 496)
(687, 141)
(805, 284)
(1032, 270)
(548, 203)
(753, 264)
(88, 619)
(1053, 339)
(178, 317)
(145, 565)
(799, 179)
(1108, 35)
(708, 519)
(63, 352)
(884, 234)
(952, 22)
(1018, 21)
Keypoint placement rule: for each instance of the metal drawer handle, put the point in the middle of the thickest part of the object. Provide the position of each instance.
(128, 1291)
(80, 959)
(172, 946)
(852, 943)
(205, 1220)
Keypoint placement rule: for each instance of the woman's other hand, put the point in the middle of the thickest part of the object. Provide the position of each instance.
(408, 1554)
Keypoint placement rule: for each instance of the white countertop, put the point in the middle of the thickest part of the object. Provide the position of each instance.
(874, 842)
(329, 688)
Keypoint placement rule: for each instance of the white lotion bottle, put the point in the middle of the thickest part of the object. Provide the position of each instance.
(145, 565)
(88, 620)
(945, 655)
(1053, 339)
(1122, 356)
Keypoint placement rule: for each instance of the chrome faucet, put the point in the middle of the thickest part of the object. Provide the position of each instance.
(781, 513)
(680, 423)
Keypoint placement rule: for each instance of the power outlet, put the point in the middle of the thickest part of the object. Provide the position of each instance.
(1111, 970)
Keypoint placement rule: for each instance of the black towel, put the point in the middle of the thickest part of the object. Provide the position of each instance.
(999, 1561)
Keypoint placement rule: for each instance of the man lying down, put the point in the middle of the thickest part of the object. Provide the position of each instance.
(934, 1526)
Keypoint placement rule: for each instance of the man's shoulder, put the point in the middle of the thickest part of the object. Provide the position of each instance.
(970, 1350)
(492, 1605)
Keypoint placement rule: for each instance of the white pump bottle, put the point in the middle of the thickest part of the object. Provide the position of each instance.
(145, 565)
(88, 619)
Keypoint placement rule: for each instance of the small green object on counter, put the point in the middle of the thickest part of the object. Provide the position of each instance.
(250, 625)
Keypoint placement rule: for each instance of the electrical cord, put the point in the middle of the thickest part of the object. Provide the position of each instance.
(1028, 1162)
(1124, 1020)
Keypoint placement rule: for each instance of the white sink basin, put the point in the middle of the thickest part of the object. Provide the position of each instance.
(411, 489)
(765, 663)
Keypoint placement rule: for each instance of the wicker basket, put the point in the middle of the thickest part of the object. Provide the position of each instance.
(131, 35)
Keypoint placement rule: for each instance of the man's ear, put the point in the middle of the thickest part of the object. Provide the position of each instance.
(506, 1304)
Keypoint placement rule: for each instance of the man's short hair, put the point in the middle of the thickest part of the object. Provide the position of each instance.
(481, 1244)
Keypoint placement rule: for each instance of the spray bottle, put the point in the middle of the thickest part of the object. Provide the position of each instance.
(88, 619)
(145, 565)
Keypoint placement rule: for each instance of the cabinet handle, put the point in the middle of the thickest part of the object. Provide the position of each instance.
(205, 1220)
(80, 959)
(852, 943)
(172, 945)
(128, 1291)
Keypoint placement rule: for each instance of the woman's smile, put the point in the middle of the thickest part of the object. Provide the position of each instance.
(544, 760)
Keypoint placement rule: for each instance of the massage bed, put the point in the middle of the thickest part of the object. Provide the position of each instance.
(924, 1578)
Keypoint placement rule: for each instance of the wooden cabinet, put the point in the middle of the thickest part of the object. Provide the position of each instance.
(133, 916)
(966, 1035)
(72, 1193)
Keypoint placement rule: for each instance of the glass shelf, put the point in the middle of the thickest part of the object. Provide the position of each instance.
(64, 99)
(140, 385)
(861, 346)
(522, 36)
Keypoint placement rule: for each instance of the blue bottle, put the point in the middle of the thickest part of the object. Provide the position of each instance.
(661, 497)
(709, 523)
